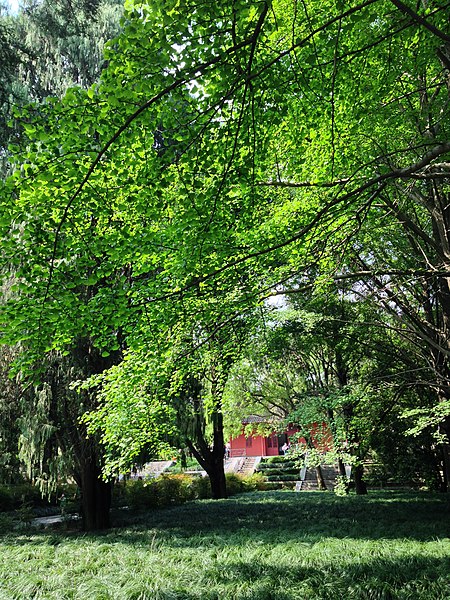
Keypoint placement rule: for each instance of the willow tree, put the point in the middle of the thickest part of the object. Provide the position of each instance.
(231, 150)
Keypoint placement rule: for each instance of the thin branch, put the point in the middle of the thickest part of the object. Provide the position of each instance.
(401, 272)
(421, 21)
(380, 181)
(304, 184)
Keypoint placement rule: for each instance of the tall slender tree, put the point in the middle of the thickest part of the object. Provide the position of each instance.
(53, 46)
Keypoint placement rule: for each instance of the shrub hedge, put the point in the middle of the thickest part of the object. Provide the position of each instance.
(162, 491)
(14, 496)
(170, 490)
(282, 477)
(137, 494)
(278, 459)
(291, 471)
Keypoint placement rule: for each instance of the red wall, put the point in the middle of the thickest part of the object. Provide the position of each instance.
(260, 446)
(256, 445)
(272, 445)
(252, 446)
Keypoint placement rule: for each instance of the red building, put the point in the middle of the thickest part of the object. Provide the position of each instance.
(270, 445)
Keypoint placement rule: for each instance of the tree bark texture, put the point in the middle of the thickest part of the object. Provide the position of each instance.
(211, 458)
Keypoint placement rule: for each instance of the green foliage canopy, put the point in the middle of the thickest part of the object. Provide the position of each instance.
(229, 151)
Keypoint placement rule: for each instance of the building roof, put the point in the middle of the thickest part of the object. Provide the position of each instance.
(255, 419)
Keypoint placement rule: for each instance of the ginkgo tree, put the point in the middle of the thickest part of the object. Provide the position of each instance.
(170, 396)
(47, 47)
(232, 150)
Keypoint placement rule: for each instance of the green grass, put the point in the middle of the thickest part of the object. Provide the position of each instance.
(259, 546)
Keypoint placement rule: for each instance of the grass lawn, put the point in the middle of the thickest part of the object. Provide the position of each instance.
(260, 546)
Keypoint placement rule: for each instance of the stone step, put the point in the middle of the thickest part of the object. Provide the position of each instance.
(327, 473)
(312, 485)
(249, 465)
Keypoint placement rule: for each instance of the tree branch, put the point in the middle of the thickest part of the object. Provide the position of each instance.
(420, 20)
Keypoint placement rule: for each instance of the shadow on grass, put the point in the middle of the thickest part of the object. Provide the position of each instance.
(269, 546)
(282, 516)
(410, 578)
(379, 580)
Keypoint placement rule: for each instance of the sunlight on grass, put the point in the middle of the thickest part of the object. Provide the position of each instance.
(276, 546)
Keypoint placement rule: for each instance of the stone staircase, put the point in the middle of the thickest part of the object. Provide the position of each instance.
(232, 465)
(280, 471)
(310, 481)
(248, 465)
(153, 469)
(286, 472)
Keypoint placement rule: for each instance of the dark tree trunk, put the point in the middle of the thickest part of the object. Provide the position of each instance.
(95, 498)
(341, 467)
(217, 480)
(217, 475)
(360, 485)
(70, 438)
(214, 467)
(95, 492)
(210, 458)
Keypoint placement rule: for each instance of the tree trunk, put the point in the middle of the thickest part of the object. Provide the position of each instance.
(95, 492)
(360, 485)
(217, 476)
(341, 468)
(95, 498)
(217, 480)
(320, 480)
(210, 458)
(343, 474)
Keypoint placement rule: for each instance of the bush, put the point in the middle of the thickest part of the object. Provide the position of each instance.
(162, 491)
(7, 524)
(139, 494)
(7, 499)
(12, 496)
(278, 459)
(281, 471)
(281, 477)
(255, 482)
(235, 484)
(272, 485)
(173, 489)
(169, 490)
(265, 466)
(201, 487)
(191, 465)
